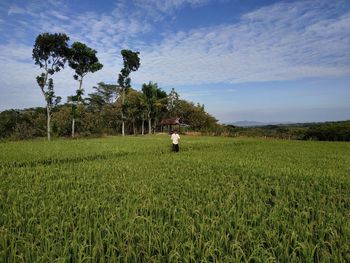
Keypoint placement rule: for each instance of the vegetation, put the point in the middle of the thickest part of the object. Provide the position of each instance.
(132, 200)
(327, 131)
(101, 114)
(131, 63)
(155, 101)
(82, 60)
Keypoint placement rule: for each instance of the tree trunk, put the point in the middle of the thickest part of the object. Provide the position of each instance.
(143, 127)
(149, 126)
(154, 126)
(48, 109)
(80, 83)
(73, 127)
(134, 128)
(123, 124)
(78, 103)
(149, 123)
(48, 122)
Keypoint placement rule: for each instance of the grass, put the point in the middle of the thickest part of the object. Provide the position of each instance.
(132, 200)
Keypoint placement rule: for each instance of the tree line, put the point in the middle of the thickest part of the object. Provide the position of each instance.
(326, 131)
(109, 109)
(100, 113)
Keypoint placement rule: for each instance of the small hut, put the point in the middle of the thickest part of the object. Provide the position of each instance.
(170, 123)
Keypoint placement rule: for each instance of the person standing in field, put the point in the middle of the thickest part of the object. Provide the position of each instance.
(175, 139)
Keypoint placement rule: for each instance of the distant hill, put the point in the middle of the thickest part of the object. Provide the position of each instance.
(255, 123)
(321, 131)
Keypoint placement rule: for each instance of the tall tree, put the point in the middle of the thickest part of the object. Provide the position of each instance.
(149, 92)
(50, 53)
(103, 107)
(133, 100)
(173, 101)
(155, 100)
(131, 62)
(75, 101)
(83, 60)
(104, 94)
(143, 112)
(160, 107)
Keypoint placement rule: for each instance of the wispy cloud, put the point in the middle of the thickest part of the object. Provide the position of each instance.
(285, 41)
(58, 15)
(32, 8)
(167, 6)
(16, 10)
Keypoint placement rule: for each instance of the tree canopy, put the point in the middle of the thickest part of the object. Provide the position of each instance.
(51, 51)
(83, 60)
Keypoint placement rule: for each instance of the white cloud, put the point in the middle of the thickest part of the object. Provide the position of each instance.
(166, 6)
(16, 10)
(58, 15)
(285, 41)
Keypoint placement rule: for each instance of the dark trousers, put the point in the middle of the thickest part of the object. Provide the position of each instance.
(175, 147)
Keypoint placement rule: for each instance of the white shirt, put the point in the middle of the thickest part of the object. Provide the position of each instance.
(175, 138)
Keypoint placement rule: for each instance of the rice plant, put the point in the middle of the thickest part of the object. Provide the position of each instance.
(133, 200)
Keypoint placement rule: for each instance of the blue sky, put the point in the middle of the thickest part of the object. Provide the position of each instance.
(261, 60)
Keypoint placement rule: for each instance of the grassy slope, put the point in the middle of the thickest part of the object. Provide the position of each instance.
(130, 198)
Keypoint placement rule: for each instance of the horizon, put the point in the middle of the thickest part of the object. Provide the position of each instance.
(264, 61)
(252, 123)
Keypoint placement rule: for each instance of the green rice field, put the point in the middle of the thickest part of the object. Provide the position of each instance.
(131, 199)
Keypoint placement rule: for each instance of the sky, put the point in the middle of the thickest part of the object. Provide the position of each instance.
(256, 60)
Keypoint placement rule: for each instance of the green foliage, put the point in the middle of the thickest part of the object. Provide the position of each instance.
(8, 121)
(132, 200)
(154, 102)
(75, 101)
(104, 94)
(173, 101)
(22, 124)
(51, 51)
(131, 62)
(155, 98)
(328, 131)
(83, 59)
(195, 116)
(101, 117)
(52, 99)
(61, 119)
(338, 131)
